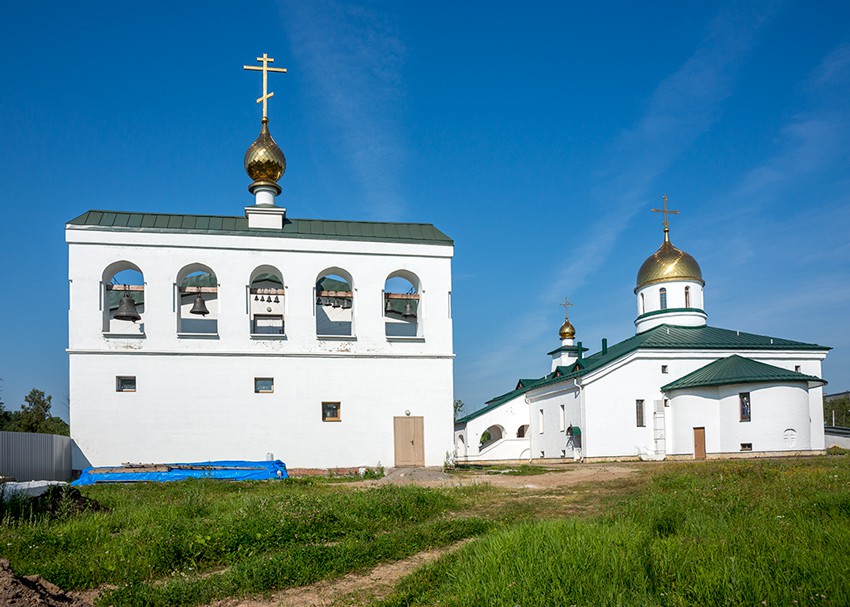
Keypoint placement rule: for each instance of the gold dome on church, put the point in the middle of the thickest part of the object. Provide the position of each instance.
(264, 160)
(567, 331)
(667, 264)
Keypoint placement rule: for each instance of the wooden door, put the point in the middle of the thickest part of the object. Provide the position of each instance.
(699, 443)
(409, 441)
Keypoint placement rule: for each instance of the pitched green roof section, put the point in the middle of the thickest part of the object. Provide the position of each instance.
(371, 231)
(738, 370)
(662, 337)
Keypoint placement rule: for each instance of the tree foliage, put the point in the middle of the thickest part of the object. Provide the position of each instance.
(836, 410)
(33, 416)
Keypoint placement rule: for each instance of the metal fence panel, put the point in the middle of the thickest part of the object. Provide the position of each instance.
(35, 457)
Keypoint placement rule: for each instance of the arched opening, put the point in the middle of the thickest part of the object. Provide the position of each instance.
(522, 431)
(460, 446)
(687, 297)
(642, 304)
(334, 303)
(197, 296)
(123, 299)
(401, 304)
(491, 435)
(266, 301)
(663, 295)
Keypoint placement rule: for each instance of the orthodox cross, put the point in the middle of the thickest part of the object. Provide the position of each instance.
(666, 211)
(265, 59)
(566, 305)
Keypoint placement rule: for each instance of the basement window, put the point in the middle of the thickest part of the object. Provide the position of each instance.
(263, 385)
(331, 412)
(125, 383)
(746, 446)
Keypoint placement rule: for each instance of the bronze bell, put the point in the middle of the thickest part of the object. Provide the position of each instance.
(389, 307)
(335, 303)
(127, 309)
(200, 306)
(408, 310)
(346, 304)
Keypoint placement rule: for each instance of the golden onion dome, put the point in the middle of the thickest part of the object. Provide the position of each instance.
(668, 264)
(264, 160)
(567, 331)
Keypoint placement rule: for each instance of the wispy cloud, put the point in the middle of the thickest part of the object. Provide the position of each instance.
(683, 107)
(352, 57)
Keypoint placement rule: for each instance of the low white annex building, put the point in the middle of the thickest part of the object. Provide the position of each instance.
(677, 389)
(320, 343)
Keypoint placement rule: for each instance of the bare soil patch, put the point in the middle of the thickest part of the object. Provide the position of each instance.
(32, 591)
(352, 589)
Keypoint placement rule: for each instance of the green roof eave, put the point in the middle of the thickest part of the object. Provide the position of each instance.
(662, 337)
(369, 231)
(672, 311)
(739, 370)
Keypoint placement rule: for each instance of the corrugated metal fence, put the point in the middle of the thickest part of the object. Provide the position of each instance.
(35, 457)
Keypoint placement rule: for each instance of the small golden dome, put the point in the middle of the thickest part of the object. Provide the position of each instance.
(264, 160)
(667, 264)
(568, 331)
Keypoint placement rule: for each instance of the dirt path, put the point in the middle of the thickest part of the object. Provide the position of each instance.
(352, 589)
(359, 589)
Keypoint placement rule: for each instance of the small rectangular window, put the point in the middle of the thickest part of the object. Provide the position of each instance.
(267, 324)
(125, 383)
(797, 368)
(744, 398)
(563, 453)
(540, 418)
(664, 369)
(563, 419)
(331, 412)
(746, 446)
(639, 413)
(263, 385)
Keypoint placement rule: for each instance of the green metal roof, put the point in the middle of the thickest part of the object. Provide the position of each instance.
(662, 337)
(737, 370)
(372, 231)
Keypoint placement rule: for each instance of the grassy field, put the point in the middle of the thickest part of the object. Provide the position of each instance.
(713, 533)
(191, 542)
(728, 533)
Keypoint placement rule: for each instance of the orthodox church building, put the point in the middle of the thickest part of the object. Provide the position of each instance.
(677, 389)
(322, 343)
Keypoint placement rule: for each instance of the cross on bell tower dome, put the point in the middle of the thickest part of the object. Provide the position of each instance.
(265, 162)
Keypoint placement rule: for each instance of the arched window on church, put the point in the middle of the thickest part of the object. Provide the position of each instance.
(123, 287)
(197, 297)
(334, 304)
(687, 297)
(663, 294)
(266, 302)
(522, 431)
(401, 305)
(642, 304)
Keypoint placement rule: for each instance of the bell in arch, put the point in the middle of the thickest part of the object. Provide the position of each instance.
(389, 307)
(346, 304)
(200, 306)
(408, 310)
(127, 309)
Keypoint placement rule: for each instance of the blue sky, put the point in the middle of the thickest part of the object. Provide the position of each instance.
(537, 134)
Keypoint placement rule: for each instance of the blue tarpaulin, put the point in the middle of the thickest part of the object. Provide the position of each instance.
(231, 470)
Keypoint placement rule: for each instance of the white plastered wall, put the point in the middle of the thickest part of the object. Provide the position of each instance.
(508, 416)
(198, 390)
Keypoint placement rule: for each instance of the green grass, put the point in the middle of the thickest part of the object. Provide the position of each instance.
(191, 542)
(728, 533)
